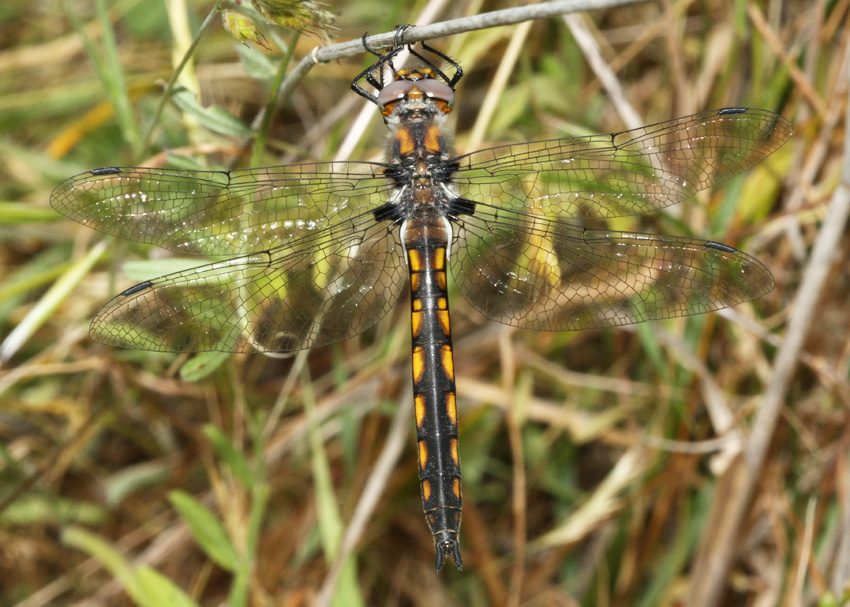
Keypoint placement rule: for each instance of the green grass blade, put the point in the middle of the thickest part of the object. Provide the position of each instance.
(206, 529)
(111, 559)
(158, 590)
(107, 63)
(234, 459)
(166, 95)
(51, 300)
(330, 521)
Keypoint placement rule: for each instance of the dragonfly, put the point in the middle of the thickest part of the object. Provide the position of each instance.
(311, 254)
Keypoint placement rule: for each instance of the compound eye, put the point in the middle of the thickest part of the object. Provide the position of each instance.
(437, 89)
(395, 91)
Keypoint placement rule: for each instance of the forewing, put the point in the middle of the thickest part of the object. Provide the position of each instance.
(623, 173)
(534, 273)
(221, 212)
(325, 287)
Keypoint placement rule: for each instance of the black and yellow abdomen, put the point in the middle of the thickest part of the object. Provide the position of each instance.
(426, 242)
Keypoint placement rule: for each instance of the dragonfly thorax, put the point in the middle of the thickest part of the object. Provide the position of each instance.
(418, 149)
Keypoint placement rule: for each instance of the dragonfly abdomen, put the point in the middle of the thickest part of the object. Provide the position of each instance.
(426, 240)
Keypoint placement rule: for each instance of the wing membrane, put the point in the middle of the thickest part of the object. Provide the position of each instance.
(535, 273)
(221, 212)
(314, 291)
(623, 173)
(317, 268)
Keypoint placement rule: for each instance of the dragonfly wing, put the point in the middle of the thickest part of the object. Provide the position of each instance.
(221, 212)
(535, 273)
(623, 173)
(319, 289)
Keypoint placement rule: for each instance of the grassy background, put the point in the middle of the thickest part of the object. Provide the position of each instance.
(592, 461)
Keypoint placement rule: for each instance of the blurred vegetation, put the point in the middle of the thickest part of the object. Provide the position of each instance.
(165, 473)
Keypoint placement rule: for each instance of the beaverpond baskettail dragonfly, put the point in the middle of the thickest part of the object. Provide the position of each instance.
(320, 252)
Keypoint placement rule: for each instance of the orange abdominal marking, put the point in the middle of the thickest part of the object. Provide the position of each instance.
(418, 364)
(451, 408)
(419, 402)
(446, 359)
(440, 259)
(443, 316)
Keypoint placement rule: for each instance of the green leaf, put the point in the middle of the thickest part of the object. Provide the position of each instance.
(158, 591)
(50, 510)
(207, 531)
(216, 119)
(147, 587)
(828, 600)
(256, 64)
(649, 340)
(202, 364)
(176, 160)
(132, 478)
(42, 269)
(235, 460)
(16, 212)
(111, 559)
(259, 504)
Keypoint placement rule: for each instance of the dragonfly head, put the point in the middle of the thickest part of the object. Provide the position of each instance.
(419, 87)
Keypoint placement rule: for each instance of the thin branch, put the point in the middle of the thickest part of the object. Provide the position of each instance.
(508, 16)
